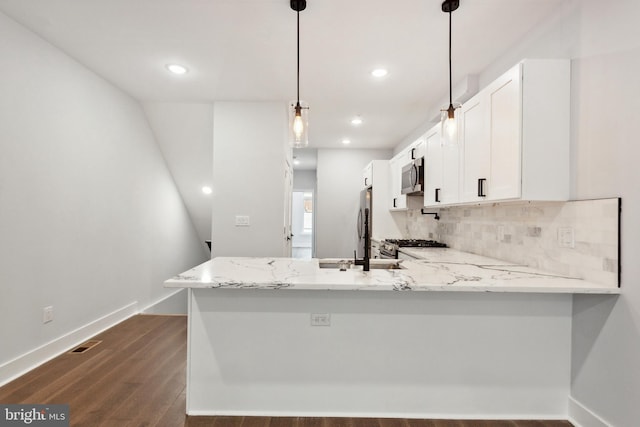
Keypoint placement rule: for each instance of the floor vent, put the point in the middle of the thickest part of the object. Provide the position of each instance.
(82, 348)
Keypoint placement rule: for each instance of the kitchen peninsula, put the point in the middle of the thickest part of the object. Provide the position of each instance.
(438, 270)
(280, 336)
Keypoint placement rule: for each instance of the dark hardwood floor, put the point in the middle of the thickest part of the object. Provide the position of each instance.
(136, 377)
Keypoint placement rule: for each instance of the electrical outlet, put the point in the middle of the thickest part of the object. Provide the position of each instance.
(47, 314)
(566, 237)
(320, 319)
(242, 221)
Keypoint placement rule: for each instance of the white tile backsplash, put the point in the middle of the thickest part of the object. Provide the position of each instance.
(536, 234)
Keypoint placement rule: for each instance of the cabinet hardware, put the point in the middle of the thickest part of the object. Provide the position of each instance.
(365, 182)
(481, 182)
(437, 195)
(394, 202)
(413, 154)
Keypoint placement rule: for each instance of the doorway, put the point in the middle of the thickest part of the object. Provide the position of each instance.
(302, 224)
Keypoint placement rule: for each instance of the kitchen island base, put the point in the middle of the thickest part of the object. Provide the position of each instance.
(384, 354)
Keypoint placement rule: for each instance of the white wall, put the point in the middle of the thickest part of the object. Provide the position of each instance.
(249, 140)
(90, 218)
(304, 180)
(606, 333)
(339, 184)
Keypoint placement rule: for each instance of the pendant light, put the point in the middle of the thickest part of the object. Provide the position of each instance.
(298, 111)
(448, 119)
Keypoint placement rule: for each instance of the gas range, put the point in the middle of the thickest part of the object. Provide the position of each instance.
(389, 247)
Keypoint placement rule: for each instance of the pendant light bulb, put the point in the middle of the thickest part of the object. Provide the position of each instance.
(449, 125)
(298, 125)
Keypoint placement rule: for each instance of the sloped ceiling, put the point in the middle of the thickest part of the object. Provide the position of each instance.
(184, 132)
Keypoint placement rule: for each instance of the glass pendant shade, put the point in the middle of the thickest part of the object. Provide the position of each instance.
(449, 125)
(298, 124)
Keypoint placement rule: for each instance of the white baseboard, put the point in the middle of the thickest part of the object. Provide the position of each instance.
(581, 416)
(315, 414)
(174, 303)
(34, 358)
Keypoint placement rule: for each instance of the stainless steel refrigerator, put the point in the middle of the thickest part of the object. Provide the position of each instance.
(365, 207)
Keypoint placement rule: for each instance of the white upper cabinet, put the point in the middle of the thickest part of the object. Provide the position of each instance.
(397, 200)
(514, 135)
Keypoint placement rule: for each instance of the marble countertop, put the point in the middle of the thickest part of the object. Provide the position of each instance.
(438, 269)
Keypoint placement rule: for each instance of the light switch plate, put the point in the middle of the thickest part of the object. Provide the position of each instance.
(242, 221)
(47, 314)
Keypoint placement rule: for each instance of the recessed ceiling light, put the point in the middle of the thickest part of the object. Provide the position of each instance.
(356, 121)
(296, 162)
(207, 190)
(346, 141)
(379, 72)
(177, 69)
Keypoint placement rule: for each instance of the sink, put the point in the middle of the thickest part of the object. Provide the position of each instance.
(374, 264)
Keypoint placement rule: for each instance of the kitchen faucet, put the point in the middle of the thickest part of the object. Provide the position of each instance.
(364, 262)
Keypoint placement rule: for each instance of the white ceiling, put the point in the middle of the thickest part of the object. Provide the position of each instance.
(245, 50)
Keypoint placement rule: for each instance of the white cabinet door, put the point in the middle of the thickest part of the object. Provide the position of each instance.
(397, 200)
(475, 150)
(450, 192)
(505, 112)
(416, 150)
(433, 171)
(442, 168)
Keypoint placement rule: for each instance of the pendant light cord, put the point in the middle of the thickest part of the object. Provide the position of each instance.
(298, 42)
(450, 84)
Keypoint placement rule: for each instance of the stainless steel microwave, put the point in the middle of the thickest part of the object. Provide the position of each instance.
(413, 178)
